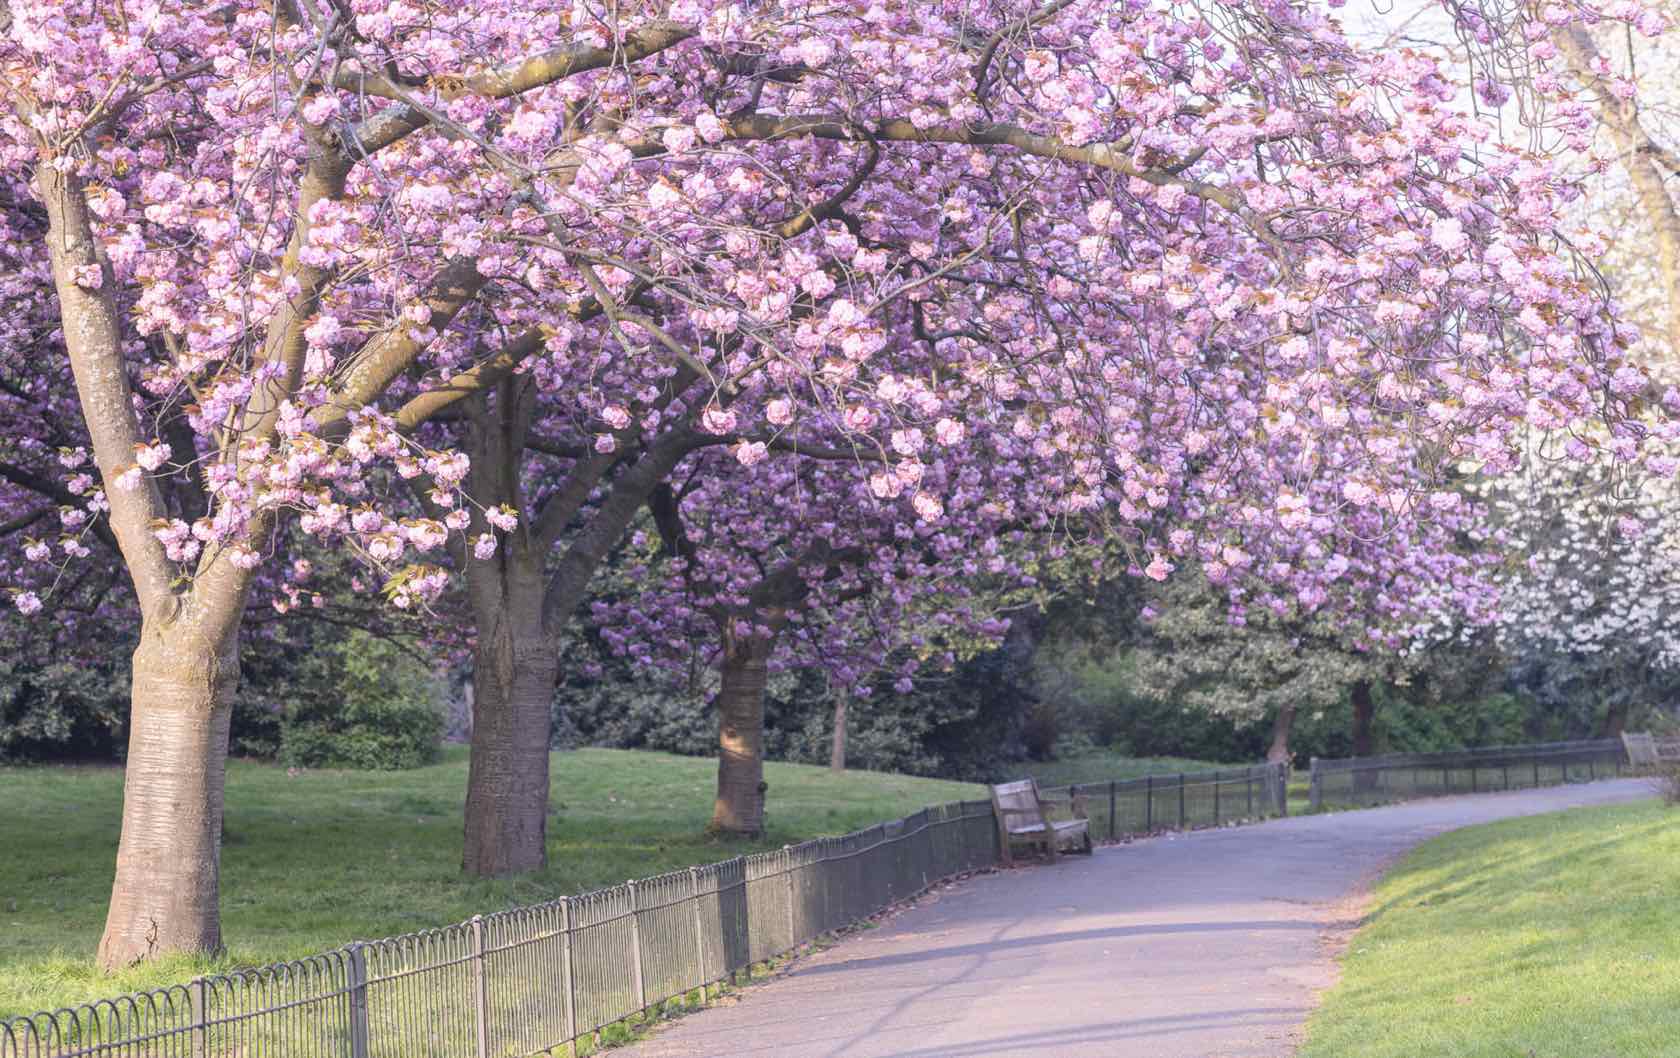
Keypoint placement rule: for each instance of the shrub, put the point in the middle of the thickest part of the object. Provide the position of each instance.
(63, 687)
(61, 710)
(360, 702)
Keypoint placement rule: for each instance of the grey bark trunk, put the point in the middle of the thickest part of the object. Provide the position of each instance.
(1364, 732)
(837, 750)
(1615, 719)
(515, 666)
(1278, 753)
(1364, 720)
(739, 808)
(165, 896)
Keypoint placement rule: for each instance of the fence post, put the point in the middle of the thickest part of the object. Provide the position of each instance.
(567, 981)
(699, 932)
(357, 985)
(1535, 760)
(1181, 800)
(481, 987)
(636, 942)
(1315, 787)
(1216, 797)
(1112, 825)
(198, 996)
(1282, 788)
(787, 869)
(1473, 777)
(1149, 804)
(1248, 791)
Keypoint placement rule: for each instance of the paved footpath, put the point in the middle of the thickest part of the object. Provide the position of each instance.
(1204, 945)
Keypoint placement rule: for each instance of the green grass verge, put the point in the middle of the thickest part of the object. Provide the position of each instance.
(1551, 937)
(1104, 765)
(314, 861)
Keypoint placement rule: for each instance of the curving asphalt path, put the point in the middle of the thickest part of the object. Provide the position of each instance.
(1213, 944)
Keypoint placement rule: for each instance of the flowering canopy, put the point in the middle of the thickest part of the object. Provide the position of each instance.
(1198, 260)
(824, 571)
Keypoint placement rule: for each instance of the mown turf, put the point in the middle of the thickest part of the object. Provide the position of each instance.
(1549, 937)
(313, 861)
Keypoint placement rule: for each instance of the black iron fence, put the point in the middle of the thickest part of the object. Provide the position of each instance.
(1181, 801)
(545, 978)
(1402, 776)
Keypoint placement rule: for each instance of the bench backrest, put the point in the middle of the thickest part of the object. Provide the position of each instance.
(1641, 748)
(1017, 805)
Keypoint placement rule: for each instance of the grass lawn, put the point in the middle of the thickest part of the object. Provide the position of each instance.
(1551, 937)
(1104, 765)
(315, 861)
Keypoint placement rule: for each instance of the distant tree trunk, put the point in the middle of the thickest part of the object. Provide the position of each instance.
(837, 751)
(739, 808)
(1281, 724)
(1615, 719)
(461, 714)
(1364, 720)
(165, 896)
(515, 666)
(1037, 719)
(1364, 733)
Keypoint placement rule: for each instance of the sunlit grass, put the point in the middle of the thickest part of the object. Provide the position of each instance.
(1549, 937)
(316, 860)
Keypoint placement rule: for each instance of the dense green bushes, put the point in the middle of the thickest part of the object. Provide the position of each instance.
(357, 701)
(64, 682)
(311, 695)
(971, 723)
(61, 710)
(1433, 711)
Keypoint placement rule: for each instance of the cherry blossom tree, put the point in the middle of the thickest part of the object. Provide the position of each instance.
(1590, 602)
(1222, 639)
(1589, 599)
(825, 576)
(1226, 276)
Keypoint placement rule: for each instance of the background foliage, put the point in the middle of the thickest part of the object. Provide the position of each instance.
(1080, 675)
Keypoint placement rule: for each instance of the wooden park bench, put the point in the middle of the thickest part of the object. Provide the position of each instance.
(1023, 817)
(1641, 749)
(1645, 752)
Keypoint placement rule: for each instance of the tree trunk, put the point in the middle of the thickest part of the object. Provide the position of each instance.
(837, 752)
(1281, 723)
(1364, 733)
(515, 666)
(165, 897)
(1364, 720)
(739, 808)
(1615, 718)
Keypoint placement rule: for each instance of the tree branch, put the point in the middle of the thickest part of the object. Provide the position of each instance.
(24, 521)
(389, 126)
(387, 355)
(93, 337)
